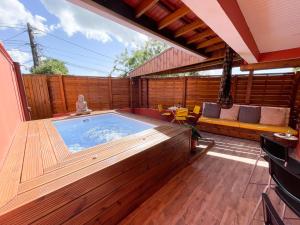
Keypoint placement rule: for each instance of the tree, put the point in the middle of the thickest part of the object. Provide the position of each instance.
(50, 66)
(128, 61)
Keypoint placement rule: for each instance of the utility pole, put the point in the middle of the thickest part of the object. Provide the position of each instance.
(33, 45)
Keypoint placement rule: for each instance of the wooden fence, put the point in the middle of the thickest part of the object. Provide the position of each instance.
(55, 94)
(269, 90)
(48, 95)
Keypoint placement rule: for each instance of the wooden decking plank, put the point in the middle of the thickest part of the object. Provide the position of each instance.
(48, 155)
(60, 149)
(69, 178)
(145, 142)
(127, 141)
(12, 167)
(32, 165)
(61, 197)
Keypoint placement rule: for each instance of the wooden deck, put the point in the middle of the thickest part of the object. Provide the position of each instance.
(43, 183)
(209, 191)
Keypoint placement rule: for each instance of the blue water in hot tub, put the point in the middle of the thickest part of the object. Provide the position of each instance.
(88, 131)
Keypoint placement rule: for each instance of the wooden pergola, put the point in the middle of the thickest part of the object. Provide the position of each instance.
(203, 27)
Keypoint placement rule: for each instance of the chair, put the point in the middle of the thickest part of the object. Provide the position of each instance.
(195, 113)
(271, 217)
(181, 115)
(268, 148)
(287, 179)
(288, 182)
(161, 110)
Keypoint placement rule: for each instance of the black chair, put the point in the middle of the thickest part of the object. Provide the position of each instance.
(271, 217)
(269, 147)
(288, 182)
(274, 149)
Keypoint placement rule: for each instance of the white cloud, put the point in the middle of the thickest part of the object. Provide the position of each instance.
(21, 57)
(74, 19)
(14, 13)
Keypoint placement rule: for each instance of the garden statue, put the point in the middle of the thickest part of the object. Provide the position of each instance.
(81, 106)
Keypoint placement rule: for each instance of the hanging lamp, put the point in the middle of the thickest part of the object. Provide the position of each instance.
(225, 98)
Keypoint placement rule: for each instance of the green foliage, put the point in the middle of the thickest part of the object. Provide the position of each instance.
(128, 61)
(50, 66)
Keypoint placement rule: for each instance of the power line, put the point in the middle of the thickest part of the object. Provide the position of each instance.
(73, 53)
(16, 35)
(87, 68)
(11, 26)
(75, 44)
(81, 66)
(71, 56)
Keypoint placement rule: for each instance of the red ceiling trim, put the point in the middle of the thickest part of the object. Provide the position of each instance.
(234, 13)
(292, 53)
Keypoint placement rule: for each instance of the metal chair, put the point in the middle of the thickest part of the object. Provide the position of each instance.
(272, 148)
(181, 115)
(195, 113)
(271, 217)
(161, 110)
(288, 183)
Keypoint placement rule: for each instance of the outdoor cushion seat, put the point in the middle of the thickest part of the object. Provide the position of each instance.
(223, 122)
(251, 126)
(268, 128)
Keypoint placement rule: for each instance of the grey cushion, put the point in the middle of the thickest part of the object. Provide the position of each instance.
(249, 114)
(211, 110)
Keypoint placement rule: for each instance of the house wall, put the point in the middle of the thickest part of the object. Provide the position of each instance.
(11, 114)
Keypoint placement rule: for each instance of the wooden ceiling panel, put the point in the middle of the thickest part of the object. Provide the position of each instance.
(172, 17)
(200, 36)
(144, 6)
(189, 27)
(215, 47)
(156, 13)
(209, 42)
(171, 20)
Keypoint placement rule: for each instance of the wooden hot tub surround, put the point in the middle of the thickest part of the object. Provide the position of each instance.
(42, 182)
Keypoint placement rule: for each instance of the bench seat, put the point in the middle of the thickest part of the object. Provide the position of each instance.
(242, 130)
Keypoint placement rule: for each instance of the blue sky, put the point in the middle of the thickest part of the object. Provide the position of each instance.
(58, 21)
(101, 40)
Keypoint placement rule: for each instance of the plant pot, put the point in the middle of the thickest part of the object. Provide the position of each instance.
(194, 143)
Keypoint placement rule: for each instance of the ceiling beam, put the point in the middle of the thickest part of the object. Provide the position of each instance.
(227, 21)
(209, 42)
(215, 47)
(173, 17)
(271, 65)
(189, 27)
(144, 6)
(292, 53)
(200, 36)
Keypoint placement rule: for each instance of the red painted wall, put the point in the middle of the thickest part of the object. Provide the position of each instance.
(11, 113)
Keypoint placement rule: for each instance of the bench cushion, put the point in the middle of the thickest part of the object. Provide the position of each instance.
(211, 110)
(249, 114)
(273, 116)
(230, 114)
(258, 127)
(268, 128)
(230, 123)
